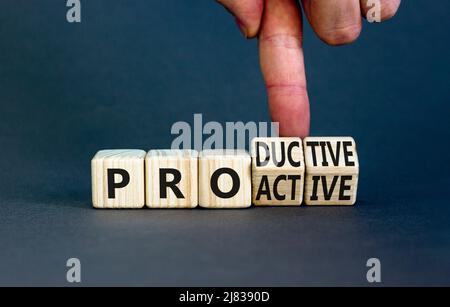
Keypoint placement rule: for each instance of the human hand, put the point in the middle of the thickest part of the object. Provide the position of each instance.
(278, 26)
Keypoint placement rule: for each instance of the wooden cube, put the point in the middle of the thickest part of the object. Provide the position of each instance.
(331, 170)
(225, 179)
(277, 171)
(171, 179)
(118, 178)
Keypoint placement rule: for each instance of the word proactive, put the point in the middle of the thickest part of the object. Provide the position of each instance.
(280, 171)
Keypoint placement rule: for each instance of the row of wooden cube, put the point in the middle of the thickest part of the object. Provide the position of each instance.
(280, 171)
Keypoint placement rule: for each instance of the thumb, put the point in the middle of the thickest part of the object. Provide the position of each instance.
(247, 13)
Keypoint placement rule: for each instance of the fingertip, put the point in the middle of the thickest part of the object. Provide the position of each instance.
(335, 22)
(341, 36)
(242, 27)
(289, 106)
(247, 13)
(388, 9)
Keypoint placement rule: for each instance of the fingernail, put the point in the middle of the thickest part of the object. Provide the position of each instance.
(241, 27)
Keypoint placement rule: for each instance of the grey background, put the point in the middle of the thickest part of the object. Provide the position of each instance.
(131, 69)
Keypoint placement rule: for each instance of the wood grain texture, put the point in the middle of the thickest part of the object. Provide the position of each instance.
(129, 196)
(332, 170)
(278, 180)
(183, 161)
(212, 163)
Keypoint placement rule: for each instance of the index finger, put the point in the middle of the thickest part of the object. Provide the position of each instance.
(282, 65)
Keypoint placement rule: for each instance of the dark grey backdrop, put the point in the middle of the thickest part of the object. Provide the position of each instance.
(132, 68)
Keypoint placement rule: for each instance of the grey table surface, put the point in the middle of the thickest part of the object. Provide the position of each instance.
(131, 69)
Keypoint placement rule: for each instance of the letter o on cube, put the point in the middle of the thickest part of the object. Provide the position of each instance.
(224, 179)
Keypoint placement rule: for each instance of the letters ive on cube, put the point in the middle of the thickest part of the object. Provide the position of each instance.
(277, 171)
(331, 170)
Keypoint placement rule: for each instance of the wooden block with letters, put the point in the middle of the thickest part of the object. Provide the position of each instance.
(277, 171)
(332, 170)
(171, 179)
(118, 178)
(225, 179)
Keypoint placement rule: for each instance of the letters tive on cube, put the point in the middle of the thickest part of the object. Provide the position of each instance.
(332, 170)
